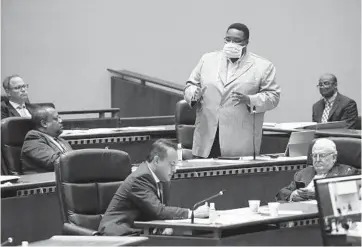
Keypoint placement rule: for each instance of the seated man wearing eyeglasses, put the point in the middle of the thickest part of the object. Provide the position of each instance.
(324, 154)
(334, 106)
(17, 92)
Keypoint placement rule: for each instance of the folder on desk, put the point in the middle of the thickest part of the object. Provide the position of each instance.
(299, 142)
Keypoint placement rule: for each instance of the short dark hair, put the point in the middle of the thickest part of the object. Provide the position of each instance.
(6, 81)
(40, 113)
(159, 148)
(240, 27)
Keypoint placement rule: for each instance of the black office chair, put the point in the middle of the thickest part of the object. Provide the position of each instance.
(358, 123)
(348, 148)
(185, 126)
(86, 182)
(13, 131)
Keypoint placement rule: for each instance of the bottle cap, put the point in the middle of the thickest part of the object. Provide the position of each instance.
(179, 145)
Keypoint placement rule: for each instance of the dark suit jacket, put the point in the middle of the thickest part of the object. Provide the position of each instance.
(39, 153)
(7, 110)
(343, 108)
(137, 200)
(306, 176)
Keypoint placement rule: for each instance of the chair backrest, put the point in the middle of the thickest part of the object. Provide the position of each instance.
(185, 123)
(86, 182)
(13, 131)
(358, 123)
(348, 148)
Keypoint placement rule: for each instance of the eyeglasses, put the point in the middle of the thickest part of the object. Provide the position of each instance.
(320, 156)
(234, 40)
(25, 86)
(325, 84)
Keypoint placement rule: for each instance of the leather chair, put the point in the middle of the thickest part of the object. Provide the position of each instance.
(185, 126)
(348, 148)
(86, 181)
(13, 131)
(358, 123)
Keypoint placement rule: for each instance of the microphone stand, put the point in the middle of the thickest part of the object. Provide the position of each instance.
(220, 193)
(8, 241)
(254, 111)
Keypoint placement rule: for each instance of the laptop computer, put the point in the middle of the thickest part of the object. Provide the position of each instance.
(299, 142)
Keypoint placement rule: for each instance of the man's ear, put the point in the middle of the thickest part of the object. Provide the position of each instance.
(43, 123)
(156, 160)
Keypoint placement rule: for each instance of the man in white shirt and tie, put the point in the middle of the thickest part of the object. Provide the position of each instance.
(17, 93)
(324, 155)
(42, 146)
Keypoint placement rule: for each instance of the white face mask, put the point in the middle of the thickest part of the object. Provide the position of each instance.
(232, 50)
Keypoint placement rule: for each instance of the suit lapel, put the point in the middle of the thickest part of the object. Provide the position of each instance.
(223, 68)
(334, 106)
(308, 177)
(12, 111)
(244, 66)
(319, 110)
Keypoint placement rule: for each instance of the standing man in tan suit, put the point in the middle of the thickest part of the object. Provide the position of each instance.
(227, 87)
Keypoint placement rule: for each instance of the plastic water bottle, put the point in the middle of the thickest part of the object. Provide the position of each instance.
(212, 213)
(179, 153)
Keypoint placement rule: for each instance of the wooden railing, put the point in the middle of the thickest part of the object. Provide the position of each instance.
(101, 113)
(144, 80)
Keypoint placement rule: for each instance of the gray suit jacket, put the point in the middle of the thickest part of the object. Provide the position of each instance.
(7, 110)
(343, 108)
(39, 153)
(254, 77)
(137, 200)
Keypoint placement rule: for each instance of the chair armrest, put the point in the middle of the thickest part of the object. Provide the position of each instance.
(71, 229)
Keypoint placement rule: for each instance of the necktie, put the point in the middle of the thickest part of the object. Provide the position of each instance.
(160, 191)
(325, 115)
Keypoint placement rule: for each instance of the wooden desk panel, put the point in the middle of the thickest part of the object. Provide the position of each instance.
(34, 199)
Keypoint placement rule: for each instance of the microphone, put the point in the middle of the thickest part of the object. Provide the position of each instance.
(8, 241)
(220, 193)
(254, 111)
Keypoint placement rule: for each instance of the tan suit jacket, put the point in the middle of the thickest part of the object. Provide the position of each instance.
(254, 77)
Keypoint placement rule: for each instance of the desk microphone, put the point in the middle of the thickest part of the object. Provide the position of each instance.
(220, 193)
(8, 241)
(254, 112)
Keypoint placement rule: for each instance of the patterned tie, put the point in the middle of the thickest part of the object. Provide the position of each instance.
(325, 115)
(160, 191)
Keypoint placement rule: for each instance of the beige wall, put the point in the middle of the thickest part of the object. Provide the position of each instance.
(63, 48)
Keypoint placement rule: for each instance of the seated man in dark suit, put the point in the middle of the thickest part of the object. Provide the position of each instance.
(334, 106)
(17, 104)
(143, 195)
(324, 154)
(42, 147)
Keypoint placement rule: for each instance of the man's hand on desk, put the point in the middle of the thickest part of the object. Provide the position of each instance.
(302, 195)
(202, 211)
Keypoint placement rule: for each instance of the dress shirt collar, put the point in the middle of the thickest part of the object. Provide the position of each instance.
(16, 105)
(331, 99)
(153, 174)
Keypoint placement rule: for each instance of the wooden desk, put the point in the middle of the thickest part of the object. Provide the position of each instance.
(136, 141)
(34, 199)
(242, 227)
(90, 241)
(339, 133)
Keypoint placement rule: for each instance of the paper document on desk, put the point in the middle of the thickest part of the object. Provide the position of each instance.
(310, 202)
(296, 125)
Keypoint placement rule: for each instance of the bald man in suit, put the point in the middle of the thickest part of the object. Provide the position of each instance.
(334, 106)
